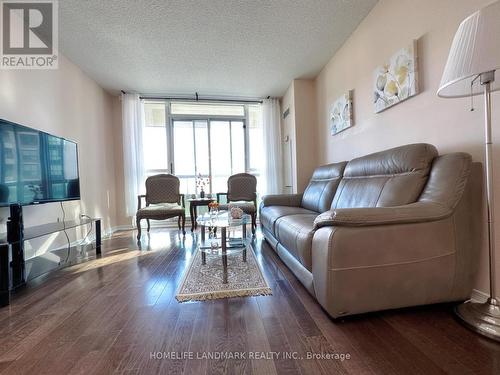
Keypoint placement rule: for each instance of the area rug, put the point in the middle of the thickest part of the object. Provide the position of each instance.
(204, 282)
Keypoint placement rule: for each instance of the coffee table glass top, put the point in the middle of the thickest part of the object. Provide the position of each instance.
(222, 220)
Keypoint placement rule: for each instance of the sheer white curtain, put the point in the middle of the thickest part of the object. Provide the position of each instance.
(133, 156)
(271, 130)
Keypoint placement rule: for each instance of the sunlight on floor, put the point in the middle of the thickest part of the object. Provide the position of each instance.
(125, 254)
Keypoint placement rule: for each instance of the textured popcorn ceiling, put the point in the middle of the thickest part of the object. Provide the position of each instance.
(216, 47)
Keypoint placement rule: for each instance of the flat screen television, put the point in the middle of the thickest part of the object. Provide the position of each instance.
(36, 167)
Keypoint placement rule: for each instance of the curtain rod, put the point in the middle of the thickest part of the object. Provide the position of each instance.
(198, 99)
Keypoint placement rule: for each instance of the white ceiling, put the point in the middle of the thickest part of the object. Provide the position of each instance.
(250, 48)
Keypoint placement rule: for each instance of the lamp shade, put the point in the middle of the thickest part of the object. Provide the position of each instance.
(475, 50)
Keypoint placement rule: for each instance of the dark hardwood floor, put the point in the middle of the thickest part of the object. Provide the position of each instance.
(117, 313)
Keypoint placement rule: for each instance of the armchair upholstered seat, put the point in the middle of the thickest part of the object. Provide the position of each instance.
(160, 211)
(163, 201)
(242, 193)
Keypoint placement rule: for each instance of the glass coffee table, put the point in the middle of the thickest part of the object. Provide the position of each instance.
(233, 237)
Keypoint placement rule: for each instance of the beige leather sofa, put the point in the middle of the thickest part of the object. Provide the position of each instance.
(397, 228)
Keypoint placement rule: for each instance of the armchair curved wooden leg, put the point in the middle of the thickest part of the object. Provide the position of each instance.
(254, 223)
(179, 222)
(138, 222)
(183, 217)
(149, 225)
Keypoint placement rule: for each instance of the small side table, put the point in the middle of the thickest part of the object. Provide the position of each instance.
(194, 203)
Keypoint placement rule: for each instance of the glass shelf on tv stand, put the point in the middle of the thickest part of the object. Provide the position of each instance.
(12, 261)
(37, 231)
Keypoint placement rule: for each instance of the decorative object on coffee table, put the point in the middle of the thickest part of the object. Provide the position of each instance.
(470, 70)
(236, 212)
(213, 207)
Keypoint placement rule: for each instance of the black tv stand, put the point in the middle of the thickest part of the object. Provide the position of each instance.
(12, 268)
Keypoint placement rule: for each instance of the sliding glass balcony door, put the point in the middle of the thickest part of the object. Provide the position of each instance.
(215, 140)
(212, 148)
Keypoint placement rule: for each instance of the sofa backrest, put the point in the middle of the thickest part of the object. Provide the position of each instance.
(319, 193)
(388, 178)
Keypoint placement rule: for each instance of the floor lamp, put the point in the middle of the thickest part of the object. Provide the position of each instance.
(470, 70)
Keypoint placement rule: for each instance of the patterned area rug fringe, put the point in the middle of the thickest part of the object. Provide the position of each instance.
(223, 294)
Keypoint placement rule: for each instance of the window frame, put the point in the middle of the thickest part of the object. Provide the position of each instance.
(169, 129)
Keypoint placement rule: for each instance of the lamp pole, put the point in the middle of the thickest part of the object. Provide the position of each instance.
(485, 317)
(486, 79)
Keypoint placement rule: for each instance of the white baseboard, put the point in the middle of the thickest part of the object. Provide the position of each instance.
(479, 296)
(158, 224)
(120, 227)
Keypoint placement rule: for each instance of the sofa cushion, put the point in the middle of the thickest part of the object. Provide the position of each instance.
(319, 193)
(295, 233)
(384, 179)
(269, 215)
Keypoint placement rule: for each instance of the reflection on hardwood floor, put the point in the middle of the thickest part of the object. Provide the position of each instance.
(118, 314)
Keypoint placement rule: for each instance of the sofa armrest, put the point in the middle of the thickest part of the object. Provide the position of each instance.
(291, 200)
(355, 217)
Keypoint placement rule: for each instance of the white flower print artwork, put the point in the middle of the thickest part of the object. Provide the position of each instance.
(341, 114)
(397, 80)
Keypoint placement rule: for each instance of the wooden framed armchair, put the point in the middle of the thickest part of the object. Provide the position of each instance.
(163, 201)
(242, 193)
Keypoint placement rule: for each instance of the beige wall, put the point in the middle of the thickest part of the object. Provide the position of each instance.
(305, 126)
(300, 126)
(446, 123)
(122, 220)
(67, 103)
(288, 141)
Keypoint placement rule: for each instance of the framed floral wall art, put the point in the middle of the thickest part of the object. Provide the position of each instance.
(397, 80)
(341, 114)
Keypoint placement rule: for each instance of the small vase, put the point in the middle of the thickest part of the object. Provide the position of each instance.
(213, 212)
(202, 193)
